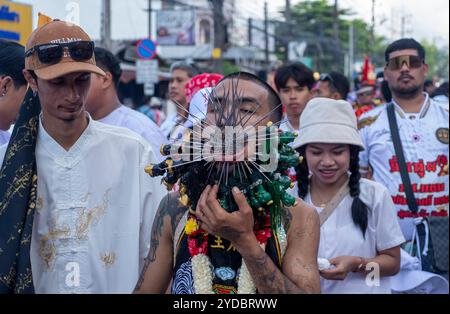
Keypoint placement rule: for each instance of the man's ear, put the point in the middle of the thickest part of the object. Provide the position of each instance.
(107, 80)
(31, 80)
(426, 69)
(336, 96)
(6, 83)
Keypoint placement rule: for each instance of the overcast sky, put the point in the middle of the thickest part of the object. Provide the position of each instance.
(425, 19)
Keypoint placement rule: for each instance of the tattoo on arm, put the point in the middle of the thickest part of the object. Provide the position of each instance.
(302, 233)
(287, 218)
(268, 278)
(169, 207)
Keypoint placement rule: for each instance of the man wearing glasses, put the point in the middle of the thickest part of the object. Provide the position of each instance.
(424, 134)
(87, 203)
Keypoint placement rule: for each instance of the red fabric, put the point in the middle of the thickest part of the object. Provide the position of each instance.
(362, 110)
(200, 82)
(368, 73)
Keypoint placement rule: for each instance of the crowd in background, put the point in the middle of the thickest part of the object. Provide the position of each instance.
(422, 112)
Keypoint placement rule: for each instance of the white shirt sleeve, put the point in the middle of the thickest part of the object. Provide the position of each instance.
(388, 230)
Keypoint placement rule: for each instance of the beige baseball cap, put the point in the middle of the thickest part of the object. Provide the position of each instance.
(58, 32)
(328, 121)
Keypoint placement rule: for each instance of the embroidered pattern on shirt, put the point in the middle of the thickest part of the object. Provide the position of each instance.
(367, 121)
(108, 259)
(47, 248)
(90, 217)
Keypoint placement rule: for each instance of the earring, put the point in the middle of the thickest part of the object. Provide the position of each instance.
(35, 93)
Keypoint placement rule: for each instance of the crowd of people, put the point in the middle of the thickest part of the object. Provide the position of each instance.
(79, 214)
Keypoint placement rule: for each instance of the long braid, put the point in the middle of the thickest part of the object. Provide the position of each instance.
(302, 175)
(360, 211)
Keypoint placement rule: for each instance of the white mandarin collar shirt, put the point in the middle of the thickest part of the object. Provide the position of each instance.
(94, 212)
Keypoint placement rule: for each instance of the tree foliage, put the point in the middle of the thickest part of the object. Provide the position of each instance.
(313, 22)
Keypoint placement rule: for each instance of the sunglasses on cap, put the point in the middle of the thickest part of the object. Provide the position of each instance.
(53, 53)
(325, 77)
(412, 62)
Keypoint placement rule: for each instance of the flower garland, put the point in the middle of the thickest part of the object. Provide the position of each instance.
(201, 264)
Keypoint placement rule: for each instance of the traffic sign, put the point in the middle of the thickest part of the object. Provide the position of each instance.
(146, 49)
(147, 71)
(149, 89)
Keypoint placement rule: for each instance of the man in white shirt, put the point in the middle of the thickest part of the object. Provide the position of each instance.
(181, 73)
(294, 84)
(424, 133)
(91, 205)
(103, 103)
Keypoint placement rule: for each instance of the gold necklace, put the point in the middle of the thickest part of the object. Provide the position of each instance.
(322, 203)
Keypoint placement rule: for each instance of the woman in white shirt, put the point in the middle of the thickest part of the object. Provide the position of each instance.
(360, 235)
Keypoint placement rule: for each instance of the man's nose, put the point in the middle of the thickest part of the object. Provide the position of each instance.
(405, 67)
(73, 95)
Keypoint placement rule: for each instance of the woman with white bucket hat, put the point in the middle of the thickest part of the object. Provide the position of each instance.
(360, 235)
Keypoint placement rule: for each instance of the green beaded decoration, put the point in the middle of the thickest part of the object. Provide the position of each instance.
(264, 191)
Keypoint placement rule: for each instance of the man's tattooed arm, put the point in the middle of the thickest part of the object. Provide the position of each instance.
(156, 266)
(300, 273)
(286, 217)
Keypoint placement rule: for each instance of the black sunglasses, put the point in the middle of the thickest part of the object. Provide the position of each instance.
(53, 53)
(413, 62)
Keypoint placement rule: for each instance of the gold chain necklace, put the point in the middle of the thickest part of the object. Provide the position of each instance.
(322, 203)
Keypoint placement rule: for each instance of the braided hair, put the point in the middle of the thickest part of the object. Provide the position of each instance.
(360, 210)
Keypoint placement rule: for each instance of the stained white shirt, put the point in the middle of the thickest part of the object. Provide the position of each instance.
(425, 144)
(94, 213)
(4, 138)
(339, 236)
(139, 123)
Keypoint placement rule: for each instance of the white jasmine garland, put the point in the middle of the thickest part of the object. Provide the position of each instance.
(245, 281)
(202, 274)
(203, 279)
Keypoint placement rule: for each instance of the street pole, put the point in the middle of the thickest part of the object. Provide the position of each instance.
(250, 30)
(150, 12)
(288, 17)
(266, 34)
(336, 21)
(373, 25)
(337, 51)
(219, 32)
(351, 52)
(106, 24)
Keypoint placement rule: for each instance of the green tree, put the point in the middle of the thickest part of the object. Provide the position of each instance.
(313, 22)
(437, 59)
